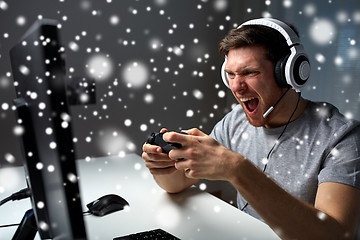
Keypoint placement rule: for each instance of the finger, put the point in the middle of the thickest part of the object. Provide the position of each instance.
(176, 154)
(159, 164)
(175, 137)
(182, 164)
(163, 130)
(195, 132)
(148, 148)
(187, 173)
(155, 157)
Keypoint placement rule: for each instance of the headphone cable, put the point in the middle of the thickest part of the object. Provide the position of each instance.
(277, 140)
(23, 193)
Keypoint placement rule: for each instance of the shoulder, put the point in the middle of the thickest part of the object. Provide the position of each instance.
(232, 119)
(326, 116)
(232, 124)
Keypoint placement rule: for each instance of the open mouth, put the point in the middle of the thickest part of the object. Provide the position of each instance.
(250, 103)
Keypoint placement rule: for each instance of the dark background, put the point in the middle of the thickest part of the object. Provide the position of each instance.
(155, 63)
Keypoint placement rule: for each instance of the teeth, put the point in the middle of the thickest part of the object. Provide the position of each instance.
(246, 99)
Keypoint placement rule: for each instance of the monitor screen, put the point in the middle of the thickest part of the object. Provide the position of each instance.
(38, 68)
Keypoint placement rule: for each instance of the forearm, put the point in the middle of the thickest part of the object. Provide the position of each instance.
(288, 216)
(174, 182)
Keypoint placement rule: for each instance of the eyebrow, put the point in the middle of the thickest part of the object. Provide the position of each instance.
(242, 70)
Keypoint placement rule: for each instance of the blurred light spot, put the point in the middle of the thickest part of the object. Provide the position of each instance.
(51, 168)
(10, 179)
(287, 3)
(202, 186)
(18, 130)
(137, 166)
(198, 94)
(245, 136)
(217, 208)
(9, 158)
(220, 5)
(40, 205)
(43, 225)
(21, 20)
(135, 74)
(353, 53)
(74, 46)
(320, 58)
(127, 122)
(114, 20)
(189, 113)
(4, 82)
(48, 131)
(52, 145)
(110, 143)
(349, 115)
(3, 5)
(39, 166)
(342, 17)
(356, 17)
(143, 127)
(338, 60)
(155, 44)
(221, 94)
(321, 216)
(100, 67)
(5, 106)
(149, 98)
(161, 2)
(72, 177)
(33, 95)
(322, 31)
(24, 70)
(42, 106)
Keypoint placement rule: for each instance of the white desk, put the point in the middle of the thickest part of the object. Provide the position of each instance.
(192, 214)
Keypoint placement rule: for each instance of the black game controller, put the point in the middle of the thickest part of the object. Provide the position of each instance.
(157, 139)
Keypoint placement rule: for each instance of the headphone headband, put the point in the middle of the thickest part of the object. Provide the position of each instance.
(289, 34)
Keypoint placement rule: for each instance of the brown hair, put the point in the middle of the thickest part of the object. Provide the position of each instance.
(256, 35)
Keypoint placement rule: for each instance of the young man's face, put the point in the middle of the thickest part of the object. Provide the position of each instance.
(251, 79)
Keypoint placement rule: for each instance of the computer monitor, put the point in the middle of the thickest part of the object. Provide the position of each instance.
(38, 68)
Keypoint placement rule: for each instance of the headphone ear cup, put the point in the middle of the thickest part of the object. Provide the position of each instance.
(279, 72)
(301, 70)
(224, 74)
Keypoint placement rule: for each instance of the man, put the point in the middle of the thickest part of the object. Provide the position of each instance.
(297, 168)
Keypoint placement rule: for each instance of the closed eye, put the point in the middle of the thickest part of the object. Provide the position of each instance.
(250, 73)
(246, 73)
(231, 75)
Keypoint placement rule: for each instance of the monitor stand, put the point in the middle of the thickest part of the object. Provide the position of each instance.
(27, 228)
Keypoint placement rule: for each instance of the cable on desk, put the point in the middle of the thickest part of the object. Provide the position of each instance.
(10, 225)
(23, 193)
(86, 213)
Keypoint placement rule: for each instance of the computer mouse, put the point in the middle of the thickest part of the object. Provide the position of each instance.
(107, 204)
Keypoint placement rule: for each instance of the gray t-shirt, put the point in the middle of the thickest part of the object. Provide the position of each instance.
(319, 146)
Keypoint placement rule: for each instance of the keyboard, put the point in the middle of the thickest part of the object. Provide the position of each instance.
(156, 234)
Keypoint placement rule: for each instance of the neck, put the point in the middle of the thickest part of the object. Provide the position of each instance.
(285, 108)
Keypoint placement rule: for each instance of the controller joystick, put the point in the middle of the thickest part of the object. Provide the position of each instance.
(157, 139)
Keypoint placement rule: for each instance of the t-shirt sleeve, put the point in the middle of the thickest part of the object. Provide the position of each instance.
(222, 129)
(217, 132)
(342, 163)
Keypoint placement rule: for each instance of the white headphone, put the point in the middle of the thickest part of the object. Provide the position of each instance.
(291, 71)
